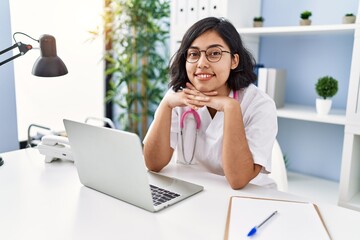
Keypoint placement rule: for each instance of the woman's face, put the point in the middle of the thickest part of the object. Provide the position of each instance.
(206, 75)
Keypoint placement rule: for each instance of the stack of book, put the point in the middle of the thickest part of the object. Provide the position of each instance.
(272, 81)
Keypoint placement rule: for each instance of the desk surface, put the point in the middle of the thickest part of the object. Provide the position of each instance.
(41, 200)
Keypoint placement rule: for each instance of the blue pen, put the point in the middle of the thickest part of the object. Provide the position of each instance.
(254, 229)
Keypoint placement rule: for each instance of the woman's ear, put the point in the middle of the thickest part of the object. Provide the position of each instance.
(235, 61)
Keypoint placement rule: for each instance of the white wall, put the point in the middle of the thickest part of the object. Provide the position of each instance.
(8, 122)
(80, 93)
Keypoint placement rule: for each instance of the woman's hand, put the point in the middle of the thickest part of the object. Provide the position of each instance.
(189, 97)
(197, 99)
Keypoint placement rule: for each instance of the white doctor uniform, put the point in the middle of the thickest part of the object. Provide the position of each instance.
(260, 121)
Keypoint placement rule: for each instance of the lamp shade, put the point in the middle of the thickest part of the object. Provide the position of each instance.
(48, 64)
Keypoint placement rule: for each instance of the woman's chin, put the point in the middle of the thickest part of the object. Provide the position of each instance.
(203, 88)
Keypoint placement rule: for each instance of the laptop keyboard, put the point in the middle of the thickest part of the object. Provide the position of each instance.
(160, 195)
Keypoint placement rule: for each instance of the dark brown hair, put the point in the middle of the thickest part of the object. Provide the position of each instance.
(240, 77)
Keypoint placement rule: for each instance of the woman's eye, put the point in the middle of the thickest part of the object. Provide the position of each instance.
(215, 53)
(193, 54)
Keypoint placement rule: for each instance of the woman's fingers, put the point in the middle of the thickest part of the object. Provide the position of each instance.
(197, 95)
(196, 102)
(196, 99)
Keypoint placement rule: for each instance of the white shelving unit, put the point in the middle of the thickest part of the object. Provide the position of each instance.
(350, 168)
(349, 186)
(298, 30)
(298, 184)
(307, 113)
(299, 112)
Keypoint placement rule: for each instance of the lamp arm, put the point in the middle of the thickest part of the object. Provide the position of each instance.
(8, 49)
(23, 48)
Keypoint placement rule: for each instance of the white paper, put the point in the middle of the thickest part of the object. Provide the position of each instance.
(293, 221)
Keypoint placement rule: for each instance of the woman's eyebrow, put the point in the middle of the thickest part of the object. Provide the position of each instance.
(215, 45)
(194, 47)
(212, 45)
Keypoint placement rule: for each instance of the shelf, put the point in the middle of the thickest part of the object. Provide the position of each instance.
(307, 113)
(299, 183)
(353, 203)
(298, 30)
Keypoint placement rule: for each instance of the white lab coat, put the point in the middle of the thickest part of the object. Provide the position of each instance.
(260, 121)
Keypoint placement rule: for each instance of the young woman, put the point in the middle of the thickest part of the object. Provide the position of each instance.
(213, 115)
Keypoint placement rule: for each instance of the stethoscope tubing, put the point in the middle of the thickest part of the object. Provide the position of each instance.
(198, 123)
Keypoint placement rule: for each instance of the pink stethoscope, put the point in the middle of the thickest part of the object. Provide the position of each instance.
(198, 121)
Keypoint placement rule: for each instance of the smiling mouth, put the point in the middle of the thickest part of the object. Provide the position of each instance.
(204, 76)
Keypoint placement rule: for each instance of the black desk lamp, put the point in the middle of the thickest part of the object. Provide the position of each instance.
(48, 64)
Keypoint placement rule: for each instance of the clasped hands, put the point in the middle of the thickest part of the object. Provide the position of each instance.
(196, 99)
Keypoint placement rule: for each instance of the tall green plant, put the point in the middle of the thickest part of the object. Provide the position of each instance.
(138, 59)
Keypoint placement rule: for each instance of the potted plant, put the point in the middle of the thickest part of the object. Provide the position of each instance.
(258, 21)
(349, 18)
(136, 35)
(305, 18)
(326, 87)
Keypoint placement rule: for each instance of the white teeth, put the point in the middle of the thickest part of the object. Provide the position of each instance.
(203, 75)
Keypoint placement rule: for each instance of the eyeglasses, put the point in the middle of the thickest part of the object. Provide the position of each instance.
(212, 54)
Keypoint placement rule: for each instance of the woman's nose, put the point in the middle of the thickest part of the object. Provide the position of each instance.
(203, 62)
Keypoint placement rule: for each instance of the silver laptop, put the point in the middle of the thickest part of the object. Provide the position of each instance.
(111, 161)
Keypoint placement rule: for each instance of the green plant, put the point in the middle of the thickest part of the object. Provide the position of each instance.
(259, 19)
(136, 33)
(349, 15)
(305, 15)
(286, 161)
(326, 87)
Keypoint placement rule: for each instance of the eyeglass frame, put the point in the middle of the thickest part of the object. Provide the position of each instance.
(206, 55)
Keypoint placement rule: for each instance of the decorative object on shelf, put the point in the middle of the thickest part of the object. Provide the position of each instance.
(326, 87)
(272, 81)
(258, 21)
(349, 18)
(305, 18)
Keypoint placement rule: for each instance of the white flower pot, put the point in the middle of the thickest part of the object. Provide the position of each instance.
(305, 22)
(257, 24)
(349, 19)
(323, 106)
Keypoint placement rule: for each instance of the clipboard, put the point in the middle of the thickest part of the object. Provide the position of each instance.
(295, 219)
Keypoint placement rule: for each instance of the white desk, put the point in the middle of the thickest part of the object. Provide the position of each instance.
(46, 201)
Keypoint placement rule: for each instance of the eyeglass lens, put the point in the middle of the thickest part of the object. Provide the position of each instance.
(213, 54)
